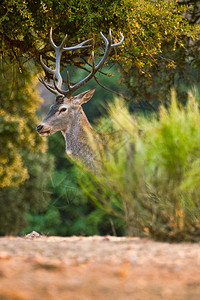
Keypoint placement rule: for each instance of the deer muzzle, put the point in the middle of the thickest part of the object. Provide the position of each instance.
(42, 131)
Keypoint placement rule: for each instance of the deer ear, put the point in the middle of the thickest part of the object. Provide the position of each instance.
(83, 97)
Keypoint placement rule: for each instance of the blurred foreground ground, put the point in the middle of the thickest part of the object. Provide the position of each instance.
(98, 268)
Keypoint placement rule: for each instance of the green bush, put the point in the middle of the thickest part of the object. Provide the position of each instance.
(30, 197)
(69, 212)
(25, 167)
(151, 178)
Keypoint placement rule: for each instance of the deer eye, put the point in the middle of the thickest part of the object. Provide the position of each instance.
(63, 109)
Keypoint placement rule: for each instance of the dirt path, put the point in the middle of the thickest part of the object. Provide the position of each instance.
(98, 268)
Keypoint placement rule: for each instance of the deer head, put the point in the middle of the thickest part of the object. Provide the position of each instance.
(63, 113)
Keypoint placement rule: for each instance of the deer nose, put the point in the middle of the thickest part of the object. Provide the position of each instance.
(39, 128)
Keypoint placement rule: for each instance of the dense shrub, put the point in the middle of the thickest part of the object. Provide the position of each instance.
(151, 178)
(25, 167)
(70, 212)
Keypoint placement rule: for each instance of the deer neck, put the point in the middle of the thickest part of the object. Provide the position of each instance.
(77, 138)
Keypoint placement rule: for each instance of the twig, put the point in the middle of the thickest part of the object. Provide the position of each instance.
(114, 92)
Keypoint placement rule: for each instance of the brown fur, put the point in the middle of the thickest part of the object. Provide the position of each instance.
(83, 143)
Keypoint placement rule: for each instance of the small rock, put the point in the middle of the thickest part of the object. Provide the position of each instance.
(133, 259)
(32, 235)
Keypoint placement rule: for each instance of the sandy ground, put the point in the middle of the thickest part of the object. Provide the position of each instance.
(98, 268)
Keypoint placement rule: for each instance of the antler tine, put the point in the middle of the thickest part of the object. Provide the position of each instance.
(79, 46)
(51, 38)
(60, 91)
(62, 49)
(68, 81)
(57, 89)
(120, 42)
(45, 67)
(56, 72)
(48, 86)
(62, 43)
(109, 46)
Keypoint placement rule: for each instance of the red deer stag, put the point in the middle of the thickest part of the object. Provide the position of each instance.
(67, 115)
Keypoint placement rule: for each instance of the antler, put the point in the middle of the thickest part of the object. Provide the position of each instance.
(56, 89)
(56, 72)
